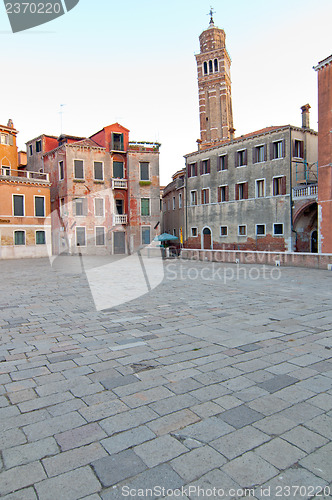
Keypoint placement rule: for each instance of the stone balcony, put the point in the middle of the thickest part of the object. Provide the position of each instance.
(120, 219)
(23, 175)
(303, 192)
(119, 184)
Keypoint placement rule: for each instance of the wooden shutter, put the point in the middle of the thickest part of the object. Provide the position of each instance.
(245, 157)
(245, 191)
(202, 197)
(294, 149)
(201, 170)
(226, 193)
(254, 155)
(301, 149)
(207, 197)
(189, 170)
(208, 166)
(283, 185)
(284, 148)
(265, 152)
(271, 151)
(194, 167)
(219, 194)
(226, 162)
(236, 191)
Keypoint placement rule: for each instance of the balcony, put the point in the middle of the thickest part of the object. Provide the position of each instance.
(120, 219)
(23, 175)
(309, 191)
(119, 184)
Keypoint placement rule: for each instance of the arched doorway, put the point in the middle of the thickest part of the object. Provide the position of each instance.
(314, 242)
(206, 238)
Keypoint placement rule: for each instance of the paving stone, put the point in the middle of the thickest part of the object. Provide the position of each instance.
(103, 410)
(240, 416)
(274, 424)
(73, 459)
(159, 450)
(146, 397)
(323, 401)
(26, 494)
(304, 438)
(319, 462)
(268, 404)
(227, 402)
(197, 462)
(278, 382)
(155, 479)
(249, 470)
(30, 452)
(79, 436)
(19, 477)
(236, 443)
(113, 382)
(280, 453)
(214, 481)
(52, 426)
(321, 424)
(183, 386)
(115, 468)
(174, 403)
(127, 439)
(301, 412)
(70, 486)
(206, 430)
(173, 422)
(11, 437)
(127, 420)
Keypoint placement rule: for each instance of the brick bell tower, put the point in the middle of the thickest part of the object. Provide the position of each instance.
(214, 86)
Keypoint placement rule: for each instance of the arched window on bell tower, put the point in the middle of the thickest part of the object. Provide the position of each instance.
(216, 65)
(205, 68)
(210, 67)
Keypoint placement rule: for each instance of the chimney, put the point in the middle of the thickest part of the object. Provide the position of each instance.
(232, 133)
(306, 116)
(199, 142)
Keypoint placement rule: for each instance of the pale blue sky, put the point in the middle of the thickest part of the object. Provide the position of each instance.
(133, 62)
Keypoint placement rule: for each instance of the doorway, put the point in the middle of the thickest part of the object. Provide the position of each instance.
(119, 242)
(314, 242)
(207, 238)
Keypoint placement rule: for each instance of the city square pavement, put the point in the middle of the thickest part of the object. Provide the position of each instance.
(217, 383)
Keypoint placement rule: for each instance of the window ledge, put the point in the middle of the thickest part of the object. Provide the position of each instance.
(79, 180)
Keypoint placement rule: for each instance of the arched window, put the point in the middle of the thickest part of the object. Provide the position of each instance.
(210, 67)
(216, 65)
(205, 68)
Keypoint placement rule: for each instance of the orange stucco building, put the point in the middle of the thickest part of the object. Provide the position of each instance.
(8, 148)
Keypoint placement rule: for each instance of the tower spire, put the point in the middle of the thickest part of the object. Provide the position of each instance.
(211, 15)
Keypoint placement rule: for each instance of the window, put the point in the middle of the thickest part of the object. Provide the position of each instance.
(5, 139)
(180, 200)
(98, 170)
(298, 149)
(80, 237)
(19, 237)
(39, 206)
(241, 158)
(118, 170)
(278, 150)
(40, 238)
(18, 202)
(223, 162)
(62, 207)
(223, 194)
(146, 238)
(259, 154)
(278, 229)
(223, 230)
(241, 191)
(61, 170)
(260, 188)
(173, 203)
(78, 169)
(117, 142)
(100, 236)
(144, 171)
(99, 207)
(210, 67)
(216, 65)
(205, 167)
(30, 149)
(242, 230)
(80, 207)
(194, 232)
(205, 68)
(174, 232)
(193, 197)
(279, 185)
(119, 207)
(260, 229)
(145, 206)
(205, 196)
(38, 146)
(192, 169)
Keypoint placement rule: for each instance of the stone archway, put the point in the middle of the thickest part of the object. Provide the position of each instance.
(305, 225)
(206, 238)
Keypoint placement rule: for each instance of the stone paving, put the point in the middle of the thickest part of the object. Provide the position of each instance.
(215, 384)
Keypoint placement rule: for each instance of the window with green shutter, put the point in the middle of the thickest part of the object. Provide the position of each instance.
(19, 237)
(145, 206)
(40, 238)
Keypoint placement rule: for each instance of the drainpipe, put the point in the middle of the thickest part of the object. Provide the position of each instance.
(186, 203)
(291, 191)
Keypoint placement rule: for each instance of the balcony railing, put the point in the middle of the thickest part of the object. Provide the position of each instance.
(310, 191)
(119, 184)
(120, 219)
(24, 174)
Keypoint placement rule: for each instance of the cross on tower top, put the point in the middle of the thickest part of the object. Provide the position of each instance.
(211, 15)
